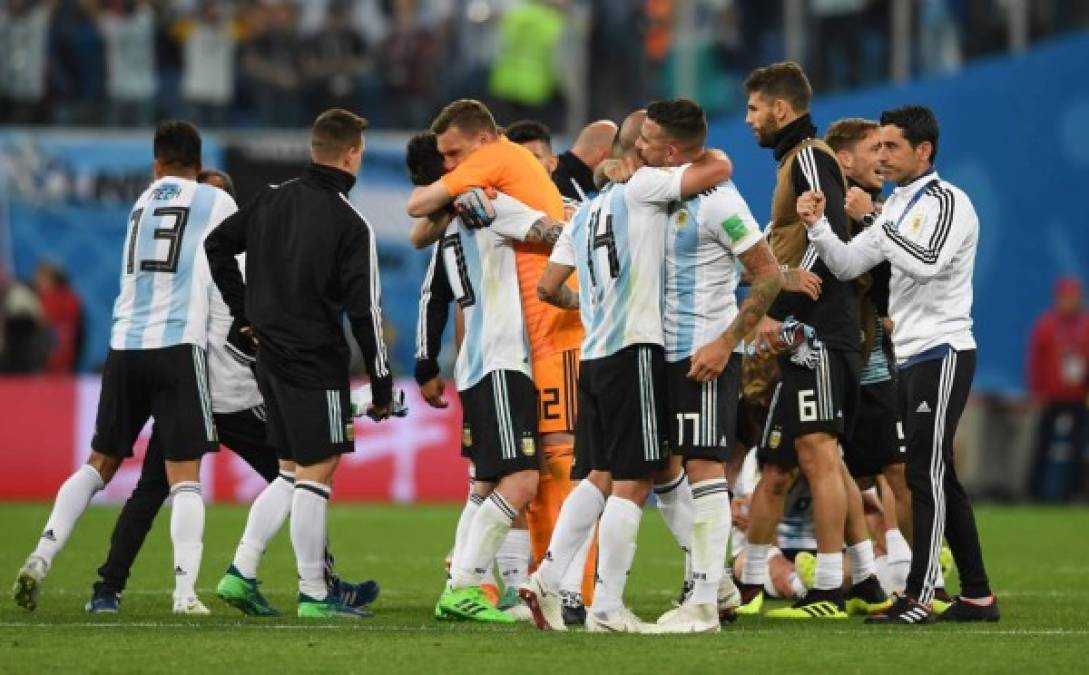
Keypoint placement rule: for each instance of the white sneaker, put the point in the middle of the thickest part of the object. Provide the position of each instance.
(729, 598)
(519, 613)
(191, 606)
(622, 620)
(690, 619)
(28, 583)
(545, 608)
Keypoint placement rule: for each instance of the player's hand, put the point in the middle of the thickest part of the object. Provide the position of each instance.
(475, 209)
(811, 206)
(709, 360)
(768, 340)
(432, 392)
(859, 203)
(380, 412)
(242, 343)
(798, 280)
(621, 170)
(739, 512)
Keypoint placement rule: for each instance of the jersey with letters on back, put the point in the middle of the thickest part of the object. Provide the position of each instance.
(706, 235)
(616, 244)
(478, 268)
(165, 281)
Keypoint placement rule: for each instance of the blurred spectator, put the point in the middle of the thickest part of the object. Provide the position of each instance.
(849, 47)
(62, 312)
(76, 63)
(523, 81)
(409, 67)
(131, 79)
(939, 38)
(271, 62)
(24, 33)
(617, 60)
(335, 61)
(208, 62)
(22, 335)
(1058, 374)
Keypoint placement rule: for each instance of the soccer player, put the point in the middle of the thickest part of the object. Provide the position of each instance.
(929, 231)
(310, 257)
(156, 365)
(499, 401)
(707, 235)
(616, 242)
(876, 445)
(574, 170)
(815, 399)
(476, 155)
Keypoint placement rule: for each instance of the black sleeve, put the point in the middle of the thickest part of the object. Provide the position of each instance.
(358, 271)
(221, 245)
(435, 298)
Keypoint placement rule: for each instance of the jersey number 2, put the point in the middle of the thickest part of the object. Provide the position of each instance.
(172, 233)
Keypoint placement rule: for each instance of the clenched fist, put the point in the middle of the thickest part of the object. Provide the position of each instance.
(859, 204)
(811, 206)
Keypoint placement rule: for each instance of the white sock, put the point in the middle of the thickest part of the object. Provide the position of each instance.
(797, 586)
(829, 574)
(861, 557)
(309, 511)
(465, 523)
(513, 558)
(72, 499)
(881, 563)
(710, 538)
(898, 560)
(266, 517)
(769, 585)
(571, 584)
(575, 525)
(187, 535)
(939, 581)
(754, 570)
(675, 505)
(617, 536)
(490, 526)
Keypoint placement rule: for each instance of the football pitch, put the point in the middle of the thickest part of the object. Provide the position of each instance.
(1038, 559)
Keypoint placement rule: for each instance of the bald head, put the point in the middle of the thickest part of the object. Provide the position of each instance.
(594, 142)
(629, 133)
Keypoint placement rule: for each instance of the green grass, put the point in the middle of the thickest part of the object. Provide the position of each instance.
(1038, 560)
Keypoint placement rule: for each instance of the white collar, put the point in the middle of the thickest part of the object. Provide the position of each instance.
(914, 185)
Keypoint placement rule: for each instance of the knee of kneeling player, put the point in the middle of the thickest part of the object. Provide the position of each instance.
(519, 488)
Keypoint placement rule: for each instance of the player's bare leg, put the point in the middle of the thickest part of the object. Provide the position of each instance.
(865, 594)
(765, 512)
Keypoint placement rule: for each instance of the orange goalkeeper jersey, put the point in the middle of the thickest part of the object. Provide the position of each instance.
(513, 170)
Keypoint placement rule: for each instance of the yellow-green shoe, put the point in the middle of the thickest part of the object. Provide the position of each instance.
(470, 604)
(867, 597)
(805, 565)
(752, 600)
(817, 604)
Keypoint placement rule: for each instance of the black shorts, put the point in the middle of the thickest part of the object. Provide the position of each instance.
(305, 425)
(499, 425)
(622, 425)
(169, 384)
(808, 401)
(877, 437)
(246, 434)
(703, 416)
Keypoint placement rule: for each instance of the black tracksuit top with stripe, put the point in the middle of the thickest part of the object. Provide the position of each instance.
(310, 259)
(834, 315)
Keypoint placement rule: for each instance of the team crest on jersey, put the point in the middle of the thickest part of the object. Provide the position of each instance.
(349, 432)
(529, 446)
(166, 192)
(682, 219)
(917, 223)
(467, 436)
(775, 438)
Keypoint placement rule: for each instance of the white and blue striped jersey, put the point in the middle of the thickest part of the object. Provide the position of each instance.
(706, 234)
(616, 243)
(165, 281)
(479, 266)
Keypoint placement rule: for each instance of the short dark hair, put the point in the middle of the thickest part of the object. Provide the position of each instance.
(681, 118)
(335, 131)
(223, 176)
(918, 124)
(785, 80)
(526, 131)
(177, 143)
(469, 115)
(845, 133)
(423, 159)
